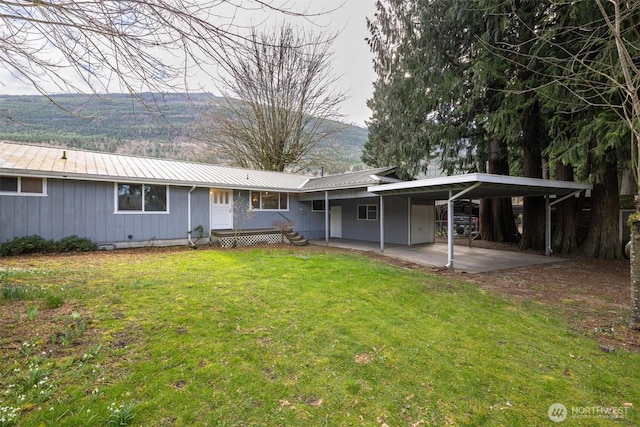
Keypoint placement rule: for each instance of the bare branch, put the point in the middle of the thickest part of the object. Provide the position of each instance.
(98, 46)
(279, 101)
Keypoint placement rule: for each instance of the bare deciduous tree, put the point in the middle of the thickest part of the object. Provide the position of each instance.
(132, 45)
(279, 101)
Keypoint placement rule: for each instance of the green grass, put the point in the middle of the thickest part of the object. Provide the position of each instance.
(299, 337)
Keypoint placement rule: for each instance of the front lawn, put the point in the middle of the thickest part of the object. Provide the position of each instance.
(283, 336)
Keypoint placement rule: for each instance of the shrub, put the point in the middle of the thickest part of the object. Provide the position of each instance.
(26, 245)
(75, 244)
(36, 244)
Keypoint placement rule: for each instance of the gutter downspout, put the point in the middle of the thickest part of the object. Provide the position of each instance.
(453, 198)
(381, 224)
(547, 232)
(326, 217)
(189, 216)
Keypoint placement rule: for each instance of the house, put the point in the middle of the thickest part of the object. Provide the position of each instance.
(126, 201)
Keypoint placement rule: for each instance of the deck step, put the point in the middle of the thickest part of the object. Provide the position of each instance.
(295, 238)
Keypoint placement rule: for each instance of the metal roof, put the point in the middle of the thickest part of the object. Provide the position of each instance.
(53, 162)
(480, 185)
(358, 179)
(57, 162)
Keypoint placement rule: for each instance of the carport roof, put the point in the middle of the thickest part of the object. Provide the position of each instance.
(479, 185)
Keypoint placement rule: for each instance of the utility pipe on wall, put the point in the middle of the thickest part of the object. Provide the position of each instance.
(189, 216)
(381, 224)
(326, 218)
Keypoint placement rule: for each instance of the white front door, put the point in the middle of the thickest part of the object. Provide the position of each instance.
(221, 209)
(335, 222)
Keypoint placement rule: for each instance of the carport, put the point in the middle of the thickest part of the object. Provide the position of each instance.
(479, 186)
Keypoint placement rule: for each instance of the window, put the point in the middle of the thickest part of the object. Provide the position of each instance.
(141, 198)
(14, 185)
(269, 200)
(368, 212)
(317, 205)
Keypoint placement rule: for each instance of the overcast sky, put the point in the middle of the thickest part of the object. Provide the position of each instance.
(352, 56)
(352, 59)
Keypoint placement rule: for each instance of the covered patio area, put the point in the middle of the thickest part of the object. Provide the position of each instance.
(468, 259)
(478, 186)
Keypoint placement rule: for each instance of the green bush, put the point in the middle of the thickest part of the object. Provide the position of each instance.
(26, 245)
(53, 301)
(36, 244)
(75, 244)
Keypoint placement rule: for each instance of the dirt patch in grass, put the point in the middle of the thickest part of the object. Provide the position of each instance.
(593, 294)
(51, 332)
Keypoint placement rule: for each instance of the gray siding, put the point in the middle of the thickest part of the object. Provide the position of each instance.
(395, 215)
(309, 224)
(199, 208)
(86, 209)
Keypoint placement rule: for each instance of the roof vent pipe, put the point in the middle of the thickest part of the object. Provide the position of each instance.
(64, 155)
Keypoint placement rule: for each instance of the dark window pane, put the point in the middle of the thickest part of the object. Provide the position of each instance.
(31, 185)
(129, 197)
(362, 212)
(155, 198)
(270, 200)
(317, 205)
(9, 183)
(372, 212)
(283, 201)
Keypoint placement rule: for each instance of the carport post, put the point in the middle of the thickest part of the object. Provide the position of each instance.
(450, 230)
(450, 203)
(547, 226)
(547, 235)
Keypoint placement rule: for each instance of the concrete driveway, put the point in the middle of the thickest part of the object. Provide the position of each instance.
(466, 259)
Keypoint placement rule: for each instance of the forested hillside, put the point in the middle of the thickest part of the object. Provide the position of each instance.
(157, 125)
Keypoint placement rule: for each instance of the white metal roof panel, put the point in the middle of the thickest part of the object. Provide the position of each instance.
(20, 159)
(490, 186)
(359, 179)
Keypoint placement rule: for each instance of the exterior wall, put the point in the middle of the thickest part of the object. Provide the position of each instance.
(200, 214)
(395, 214)
(86, 209)
(305, 221)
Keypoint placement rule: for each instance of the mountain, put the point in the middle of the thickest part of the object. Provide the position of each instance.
(149, 124)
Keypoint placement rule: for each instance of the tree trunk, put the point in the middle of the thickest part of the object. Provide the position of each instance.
(533, 209)
(603, 240)
(496, 215)
(565, 235)
(634, 225)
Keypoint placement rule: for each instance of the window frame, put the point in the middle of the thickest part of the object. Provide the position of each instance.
(142, 210)
(368, 211)
(261, 201)
(322, 202)
(19, 190)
